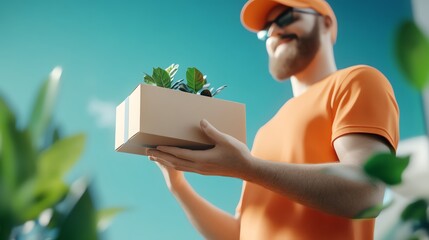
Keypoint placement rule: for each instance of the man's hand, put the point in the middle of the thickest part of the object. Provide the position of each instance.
(228, 157)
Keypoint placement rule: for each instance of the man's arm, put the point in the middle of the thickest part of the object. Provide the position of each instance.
(338, 188)
(211, 222)
(309, 184)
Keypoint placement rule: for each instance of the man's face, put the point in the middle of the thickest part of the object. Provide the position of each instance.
(292, 48)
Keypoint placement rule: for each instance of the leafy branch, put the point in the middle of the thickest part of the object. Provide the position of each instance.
(34, 161)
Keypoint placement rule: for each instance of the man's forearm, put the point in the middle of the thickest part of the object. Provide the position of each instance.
(312, 185)
(211, 222)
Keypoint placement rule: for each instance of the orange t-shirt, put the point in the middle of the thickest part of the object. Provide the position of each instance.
(358, 99)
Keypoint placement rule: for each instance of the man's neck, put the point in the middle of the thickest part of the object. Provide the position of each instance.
(319, 68)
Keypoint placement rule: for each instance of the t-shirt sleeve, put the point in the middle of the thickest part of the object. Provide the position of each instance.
(365, 103)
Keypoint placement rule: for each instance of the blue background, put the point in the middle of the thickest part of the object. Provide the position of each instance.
(105, 46)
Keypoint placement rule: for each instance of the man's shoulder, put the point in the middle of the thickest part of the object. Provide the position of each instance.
(361, 75)
(359, 69)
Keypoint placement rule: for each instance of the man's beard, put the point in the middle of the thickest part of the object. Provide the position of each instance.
(299, 54)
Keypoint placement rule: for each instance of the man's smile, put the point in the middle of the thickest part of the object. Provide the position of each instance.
(289, 36)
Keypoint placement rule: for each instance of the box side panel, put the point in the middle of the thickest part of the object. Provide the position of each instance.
(175, 114)
(229, 118)
(165, 112)
(119, 125)
(134, 111)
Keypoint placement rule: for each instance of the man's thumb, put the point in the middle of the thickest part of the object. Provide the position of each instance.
(211, 131)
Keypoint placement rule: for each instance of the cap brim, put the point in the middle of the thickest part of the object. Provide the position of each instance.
(254, 12)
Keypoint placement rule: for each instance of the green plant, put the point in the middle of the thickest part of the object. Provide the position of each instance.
(388, 168)
(196, 82)
(35, 200)
(412, 53)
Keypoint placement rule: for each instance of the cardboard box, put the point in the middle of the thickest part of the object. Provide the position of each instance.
(153, 116)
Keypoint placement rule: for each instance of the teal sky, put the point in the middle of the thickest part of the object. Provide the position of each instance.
(105, 46)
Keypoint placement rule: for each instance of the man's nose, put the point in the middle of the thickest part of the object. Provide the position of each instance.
(274, 30)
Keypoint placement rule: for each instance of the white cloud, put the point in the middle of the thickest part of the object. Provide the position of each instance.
(103, 112)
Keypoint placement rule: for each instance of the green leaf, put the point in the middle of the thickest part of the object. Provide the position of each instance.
(43, 107)
(416, 210)
(80, 222)
(386, 167)
(148, 79)
(172, 70)
(218, 90)
(105, 217)
(33, 198)
(161, 77)
(7, 114)
(412, 52)
(57, 160)
(8, 154)
(195, 79)
(17, 154)
(373, 212)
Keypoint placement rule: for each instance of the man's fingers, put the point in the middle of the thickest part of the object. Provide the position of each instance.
(184, 154)
(168, 160)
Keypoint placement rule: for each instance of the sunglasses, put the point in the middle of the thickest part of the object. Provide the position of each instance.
(285, 18)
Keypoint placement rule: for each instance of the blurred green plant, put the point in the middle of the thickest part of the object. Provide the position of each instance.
(412, 53)
(35, 200)
(196, 82)
(388, 168)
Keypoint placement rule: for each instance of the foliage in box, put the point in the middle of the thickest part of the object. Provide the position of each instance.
(196, 82)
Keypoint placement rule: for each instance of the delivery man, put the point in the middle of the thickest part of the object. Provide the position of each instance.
(336, 119)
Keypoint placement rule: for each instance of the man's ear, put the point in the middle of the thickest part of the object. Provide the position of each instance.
(326, 25)
(327, 22)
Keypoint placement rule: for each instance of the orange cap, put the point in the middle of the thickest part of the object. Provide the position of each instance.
(254, 12)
